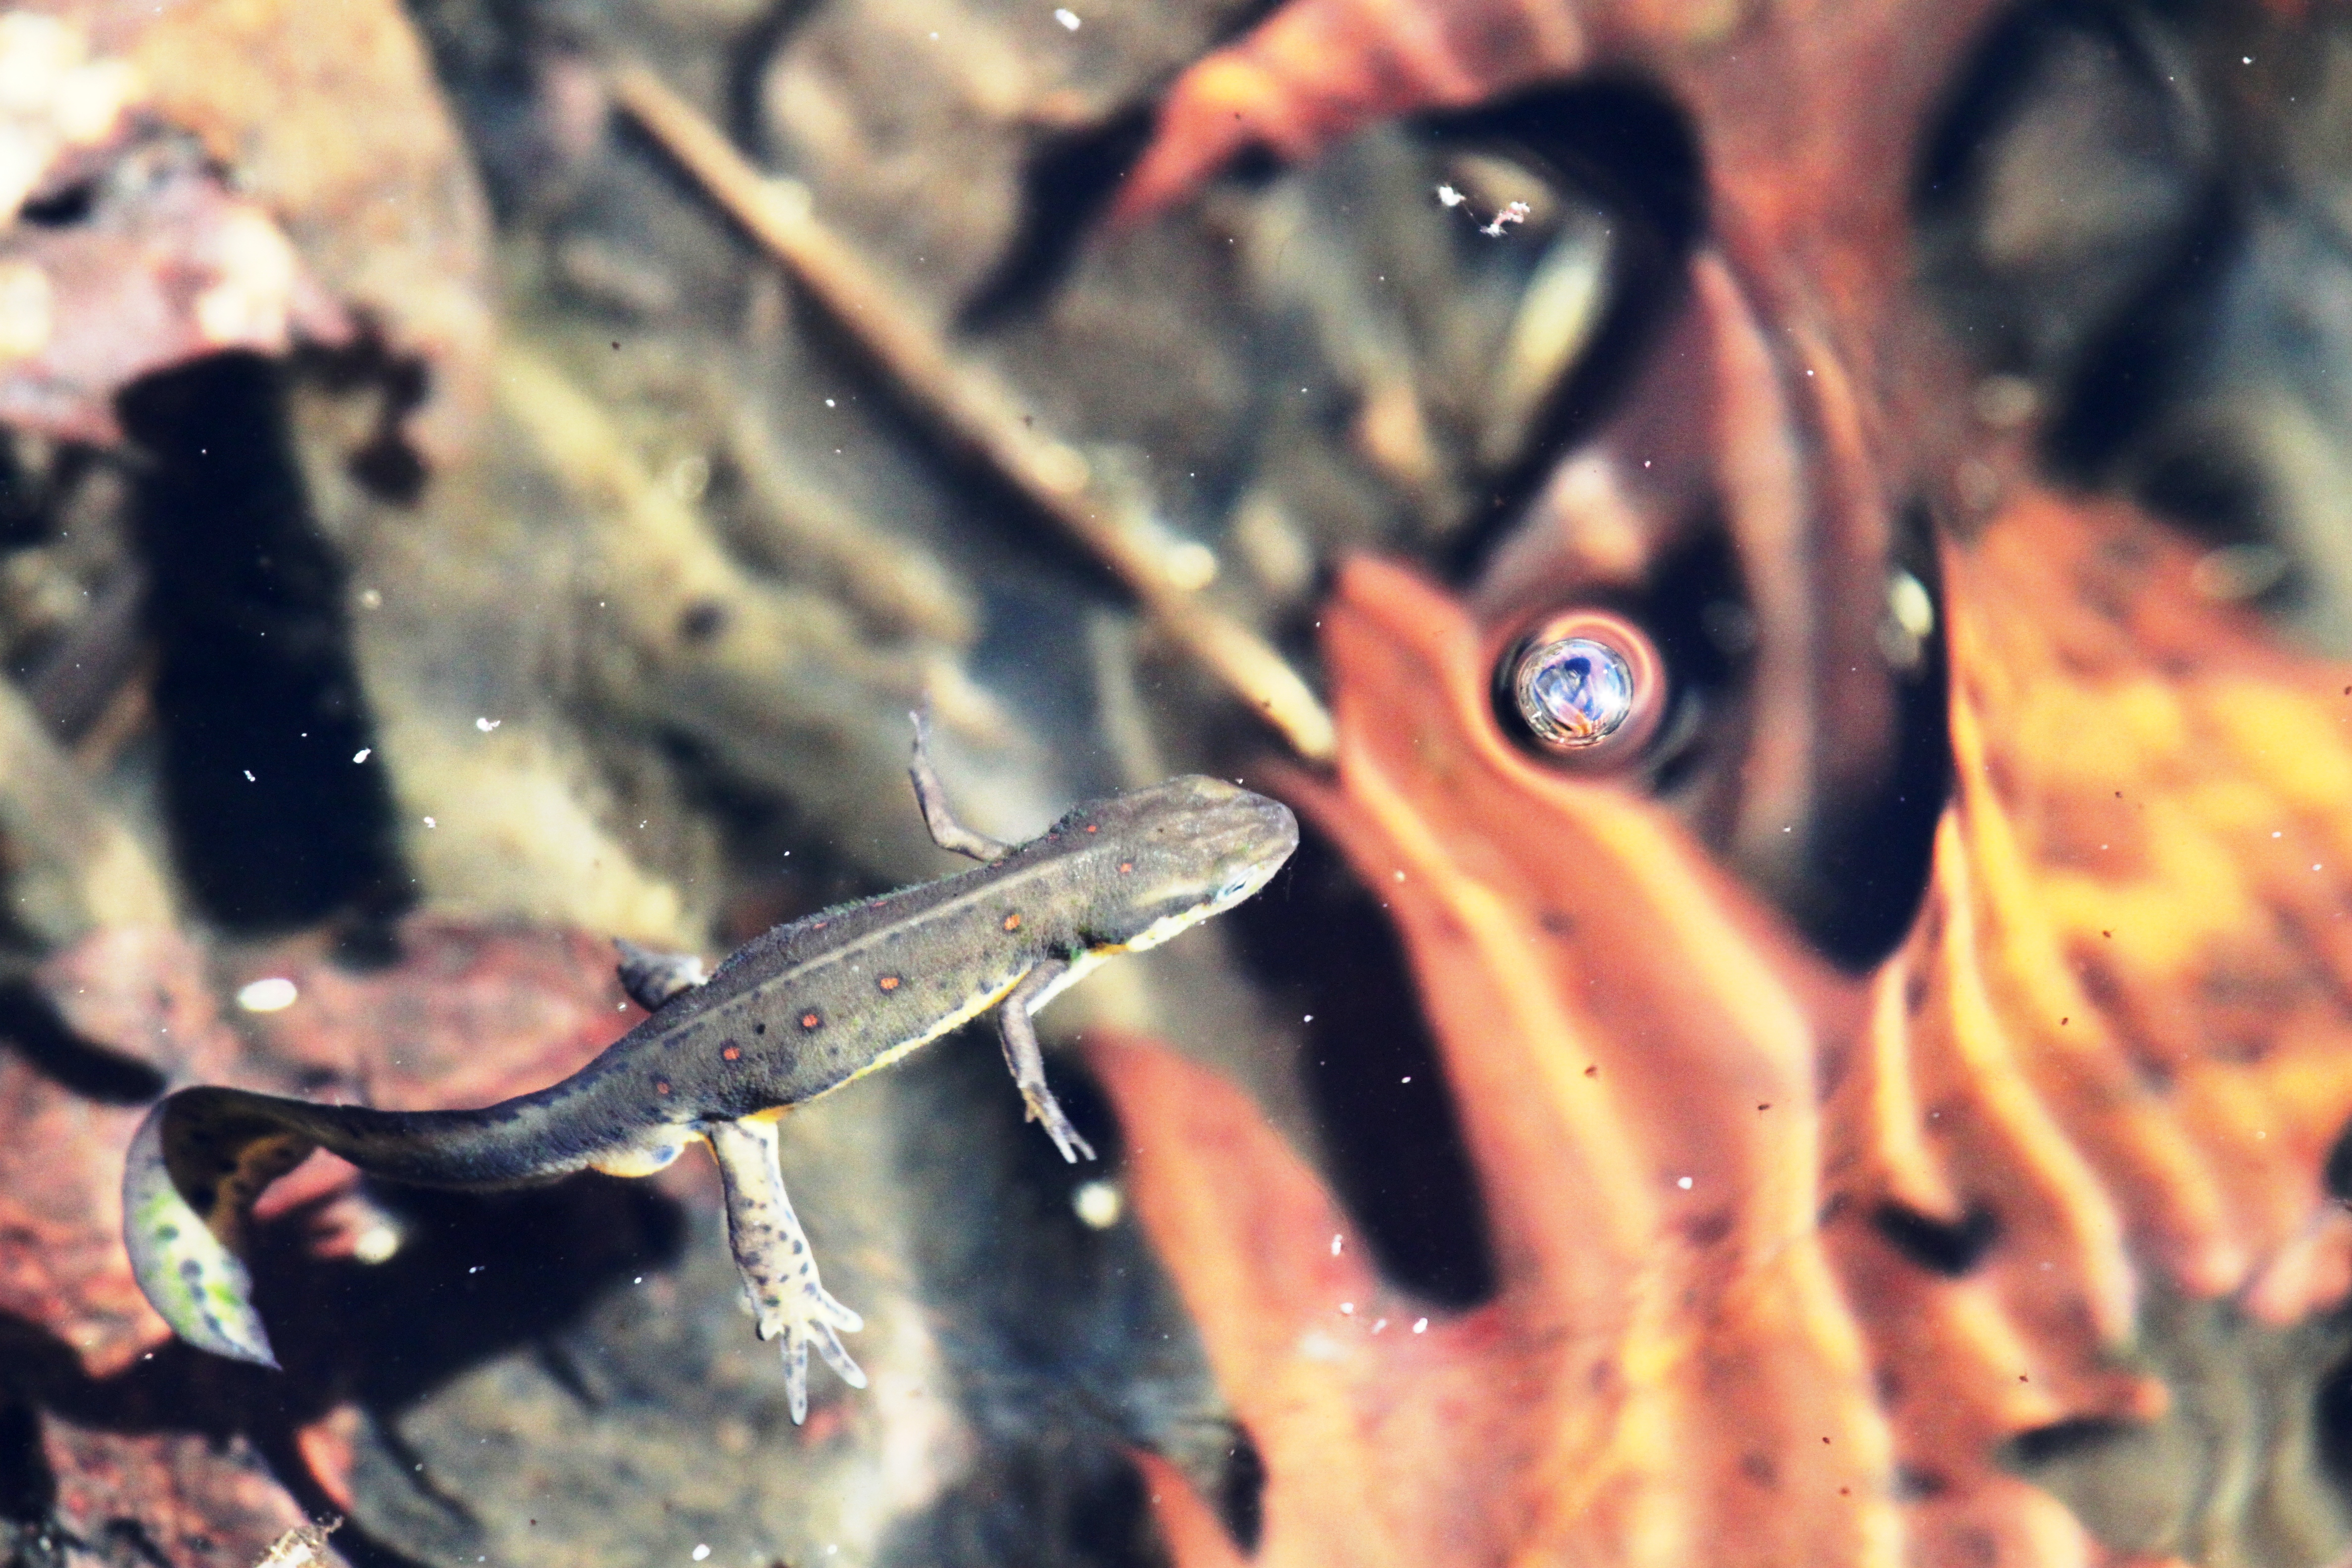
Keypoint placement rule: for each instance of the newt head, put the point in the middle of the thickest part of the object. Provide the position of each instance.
(1175, 854)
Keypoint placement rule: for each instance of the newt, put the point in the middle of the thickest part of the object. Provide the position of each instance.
(793, 1015)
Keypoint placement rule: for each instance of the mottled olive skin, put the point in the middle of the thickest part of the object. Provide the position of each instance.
(793, 1013)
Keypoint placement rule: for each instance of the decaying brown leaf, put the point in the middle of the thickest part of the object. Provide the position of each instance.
(188, 180)
(142, 992)
(183, 1497)
(124, 251)
(467, 1016)
(1801, 395)
(2120, 1031)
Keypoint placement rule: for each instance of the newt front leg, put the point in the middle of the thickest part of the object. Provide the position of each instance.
(1028, 1062)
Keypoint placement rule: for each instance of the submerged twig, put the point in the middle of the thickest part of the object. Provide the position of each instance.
(979, 411)
(775, 679)
(74, 867)
(791, 519)
(72, 688)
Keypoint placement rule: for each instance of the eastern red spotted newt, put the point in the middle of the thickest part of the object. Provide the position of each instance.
(790, 1016)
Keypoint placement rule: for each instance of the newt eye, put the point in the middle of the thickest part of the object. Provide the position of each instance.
(1586, 686)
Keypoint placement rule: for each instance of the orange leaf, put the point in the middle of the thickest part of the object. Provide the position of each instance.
(1785, 1258)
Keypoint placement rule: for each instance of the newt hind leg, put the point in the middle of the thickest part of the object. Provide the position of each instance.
(780, 1280)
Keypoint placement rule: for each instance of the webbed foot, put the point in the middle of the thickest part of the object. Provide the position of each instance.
(779, 1278)
(652, 977)
(1044, 1107)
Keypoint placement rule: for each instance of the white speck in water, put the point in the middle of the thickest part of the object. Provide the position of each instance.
(1451, 197)
(1335, 1244)
(1421, 1325)
(476, 1269)
(487, 725)
(271, 995)
(379, 1243)
(1099, 1204)
(638, 1280)
(1379, 1323)
(370, 599)
(248, 775)
(700, 1552)
(1514, 212)
(1406, 1079)
(828, 402)
(1683, 1181)
(1307, 1018)
(1067, 18)
(1347, 1309)
(430, 823)
(1400, 875)
(362, 754)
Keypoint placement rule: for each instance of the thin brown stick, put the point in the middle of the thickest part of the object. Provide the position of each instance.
(975, 408)
(74, 868)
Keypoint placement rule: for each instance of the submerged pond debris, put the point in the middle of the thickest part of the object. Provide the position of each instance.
(481, 481)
